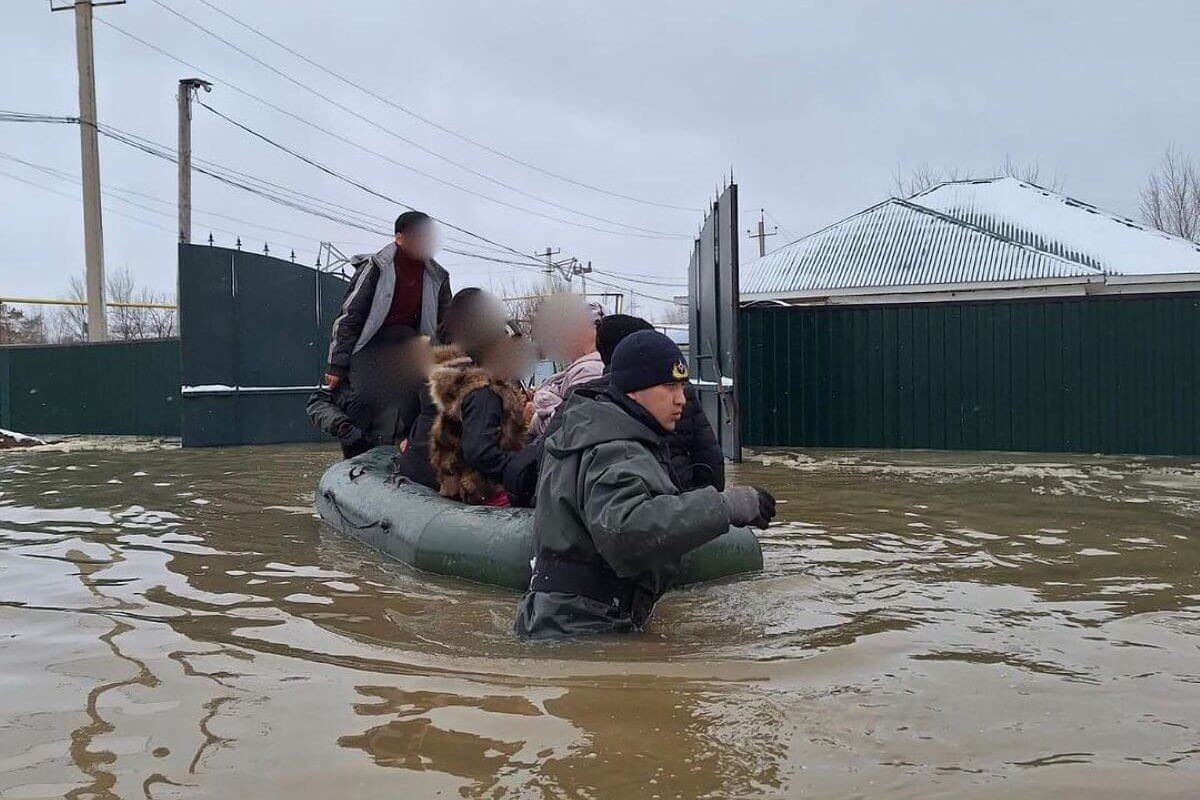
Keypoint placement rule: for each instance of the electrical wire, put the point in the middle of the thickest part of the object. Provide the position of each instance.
(436, 179)
(115, 192)
(109, 209)
(393, 104)
(388, 131)
(243, 181)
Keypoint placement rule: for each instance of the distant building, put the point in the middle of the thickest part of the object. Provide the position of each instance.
(984, 315)
(997, 234)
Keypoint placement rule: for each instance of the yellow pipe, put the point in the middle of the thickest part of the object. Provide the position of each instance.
(34, 301)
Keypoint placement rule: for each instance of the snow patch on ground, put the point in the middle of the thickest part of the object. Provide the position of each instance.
(14, 439)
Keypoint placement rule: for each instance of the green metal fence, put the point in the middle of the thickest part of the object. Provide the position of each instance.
(1108, 375)
(255, 333)
(107, 388)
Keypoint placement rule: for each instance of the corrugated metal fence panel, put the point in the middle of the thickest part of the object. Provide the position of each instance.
(1108, 375)
(128, 388)
(255, 322)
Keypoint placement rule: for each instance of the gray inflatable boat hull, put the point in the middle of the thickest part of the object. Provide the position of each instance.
(416, 526)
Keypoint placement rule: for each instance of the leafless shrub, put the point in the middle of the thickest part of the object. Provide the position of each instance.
(69, 323)
(1171, 196)
(20, 327)
(918, 179)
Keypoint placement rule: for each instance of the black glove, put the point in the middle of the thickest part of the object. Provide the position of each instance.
(766, 507)
(350, 434)
(749, 505)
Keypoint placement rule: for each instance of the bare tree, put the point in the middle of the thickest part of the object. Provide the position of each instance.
(676, 315)
(924, 177)
(124, 322)
(523, 299)
(17, 327)
(69, 323)
(1171, 196)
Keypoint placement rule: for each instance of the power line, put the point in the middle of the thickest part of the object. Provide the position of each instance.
(116, 191)
(451, 184)
(244, 182)
(349, 180)
(432, 123)
(374, 192)
(385, 129)
(75, 197)
(328, 210)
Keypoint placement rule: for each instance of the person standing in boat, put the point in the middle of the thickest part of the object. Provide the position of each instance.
(370, 394)
(399, 292)
(480, 427)
(611, 525)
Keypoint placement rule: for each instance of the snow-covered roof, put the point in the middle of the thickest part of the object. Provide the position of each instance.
(900, 243)
(968, 232)
(1063, 226)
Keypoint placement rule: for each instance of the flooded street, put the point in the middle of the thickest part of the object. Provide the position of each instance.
(178, 624)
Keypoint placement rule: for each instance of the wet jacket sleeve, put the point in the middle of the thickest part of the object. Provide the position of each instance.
(332, 413)
(348, 324)
(634, 528)
(482, 415)
(703, 446)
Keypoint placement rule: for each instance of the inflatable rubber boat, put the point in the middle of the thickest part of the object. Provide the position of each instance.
(418, 527)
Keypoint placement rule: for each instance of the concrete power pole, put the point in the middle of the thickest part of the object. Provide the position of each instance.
(187, 90)
(549, 269)
(89, 146)
(762, 234)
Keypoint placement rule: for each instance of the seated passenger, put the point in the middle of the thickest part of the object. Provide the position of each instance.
(565, 328)
(480, 424)
(611, 526)
(470, 314)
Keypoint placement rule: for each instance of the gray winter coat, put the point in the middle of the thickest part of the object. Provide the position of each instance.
(605, 498)
(369, 299)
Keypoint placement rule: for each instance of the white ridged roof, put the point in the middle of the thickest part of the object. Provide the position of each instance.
(996, 229)
(898, 243)
(1062, 225)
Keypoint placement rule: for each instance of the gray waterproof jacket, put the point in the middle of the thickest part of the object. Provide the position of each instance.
(369, 299)
(605, 497)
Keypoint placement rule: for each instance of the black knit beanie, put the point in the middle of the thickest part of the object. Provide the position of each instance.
(644, 359)
(612, 329)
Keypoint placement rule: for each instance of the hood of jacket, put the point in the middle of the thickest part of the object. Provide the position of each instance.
(589, 421)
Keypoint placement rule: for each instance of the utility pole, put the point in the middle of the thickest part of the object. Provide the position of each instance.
(762, 234)
(187, 90)
(549, 269)
(583, 273)
(89, 146)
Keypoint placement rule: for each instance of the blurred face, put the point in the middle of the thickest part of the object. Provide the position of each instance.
(565, 329)
(419, 241)
(509, 360)
(664, 402)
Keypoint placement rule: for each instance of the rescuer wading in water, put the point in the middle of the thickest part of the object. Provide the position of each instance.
(611, 524)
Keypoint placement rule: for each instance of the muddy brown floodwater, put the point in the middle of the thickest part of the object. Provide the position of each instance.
(178, 624)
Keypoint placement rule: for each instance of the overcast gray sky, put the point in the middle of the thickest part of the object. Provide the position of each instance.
(814, 105)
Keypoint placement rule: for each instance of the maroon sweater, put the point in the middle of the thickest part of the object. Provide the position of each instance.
(406, 299)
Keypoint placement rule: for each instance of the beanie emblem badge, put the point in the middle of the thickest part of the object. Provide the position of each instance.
(679, 371)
